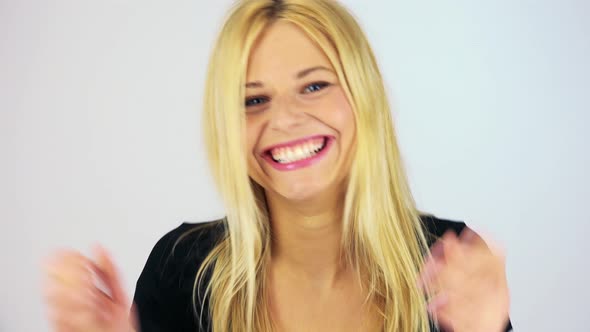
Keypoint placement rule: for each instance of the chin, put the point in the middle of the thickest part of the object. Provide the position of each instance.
(300, 191)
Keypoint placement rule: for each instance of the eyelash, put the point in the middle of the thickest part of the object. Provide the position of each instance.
(320, 84)
(250, 101)
(258, 100)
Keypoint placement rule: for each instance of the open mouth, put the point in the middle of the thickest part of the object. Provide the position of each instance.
(302, 150)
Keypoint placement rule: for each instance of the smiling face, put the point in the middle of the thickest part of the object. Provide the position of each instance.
(300, 125)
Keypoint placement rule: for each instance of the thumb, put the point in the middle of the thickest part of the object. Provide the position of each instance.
(109, 274)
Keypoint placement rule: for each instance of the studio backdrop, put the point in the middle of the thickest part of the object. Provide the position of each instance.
(100, 134)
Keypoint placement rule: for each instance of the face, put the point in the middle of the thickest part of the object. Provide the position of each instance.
(300, 125)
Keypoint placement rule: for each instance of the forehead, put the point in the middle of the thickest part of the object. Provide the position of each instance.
(284, 48)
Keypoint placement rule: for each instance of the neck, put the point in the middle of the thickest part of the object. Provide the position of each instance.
(306, 238)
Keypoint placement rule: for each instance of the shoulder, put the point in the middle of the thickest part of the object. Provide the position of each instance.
(435, 227)
(189, 239)
(164, 291)
(184, 247)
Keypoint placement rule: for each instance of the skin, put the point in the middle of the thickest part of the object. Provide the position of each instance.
(304, 204)
(310, 289)
(74, 301)
(469, 280)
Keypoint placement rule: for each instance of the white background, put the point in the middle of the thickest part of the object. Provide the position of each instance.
(100, 107)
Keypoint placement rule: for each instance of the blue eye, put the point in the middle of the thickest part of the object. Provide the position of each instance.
(255, 101)
(315, 87)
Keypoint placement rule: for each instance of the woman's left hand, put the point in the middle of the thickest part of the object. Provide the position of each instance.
(469, 284)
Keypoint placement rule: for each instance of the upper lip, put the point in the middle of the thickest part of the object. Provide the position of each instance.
(291, 143)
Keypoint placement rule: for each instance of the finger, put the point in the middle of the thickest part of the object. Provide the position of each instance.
(469, 236)
(437, 309)
(429, 274)
(109, 274)
(68, 267)
(443, 322)
(478, 256)
(431, 265)
(437, 250)
(67, 282)
(106, 308)
(437, 302)
(64, 322)
(435, 263)
(470, 240)
(452, 248)
(69, 314)
(460, 311)
(64, 297)
(69, 308)
(449, 237)
(446, 276)
(451, 311)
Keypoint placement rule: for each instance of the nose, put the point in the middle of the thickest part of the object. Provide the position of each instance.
(286, 115)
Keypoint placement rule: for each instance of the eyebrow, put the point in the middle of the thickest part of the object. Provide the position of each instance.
(299, 75)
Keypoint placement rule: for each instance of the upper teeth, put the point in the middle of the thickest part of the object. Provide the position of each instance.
(298, 152)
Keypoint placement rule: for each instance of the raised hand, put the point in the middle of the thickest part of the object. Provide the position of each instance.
(85, 295)
(469, 284)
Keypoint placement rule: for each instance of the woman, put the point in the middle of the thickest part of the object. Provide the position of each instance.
(321, 232)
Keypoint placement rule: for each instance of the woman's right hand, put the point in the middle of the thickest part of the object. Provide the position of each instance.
(76, 301)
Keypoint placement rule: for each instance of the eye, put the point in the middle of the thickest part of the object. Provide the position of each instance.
(314, 87)
(255, 101)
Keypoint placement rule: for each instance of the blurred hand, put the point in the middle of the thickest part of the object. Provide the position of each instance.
(469, 284)
(76, 301)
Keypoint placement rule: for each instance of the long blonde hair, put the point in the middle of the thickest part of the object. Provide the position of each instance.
(382, 231)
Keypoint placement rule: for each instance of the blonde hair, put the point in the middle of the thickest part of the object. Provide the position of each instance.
(382, 231)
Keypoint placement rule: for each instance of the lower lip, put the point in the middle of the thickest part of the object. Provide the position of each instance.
(303, 162)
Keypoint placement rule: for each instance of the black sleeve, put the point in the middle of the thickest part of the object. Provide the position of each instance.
(435, 228)
(150, 297)
(164, 291)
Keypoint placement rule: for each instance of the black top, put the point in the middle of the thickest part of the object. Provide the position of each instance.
(164, 290)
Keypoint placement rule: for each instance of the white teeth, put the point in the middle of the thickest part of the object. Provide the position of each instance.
(290, 154)
(299, 152)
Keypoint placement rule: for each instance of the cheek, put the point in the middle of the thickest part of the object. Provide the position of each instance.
(251, 134)
(337, 113)
(253, 130)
